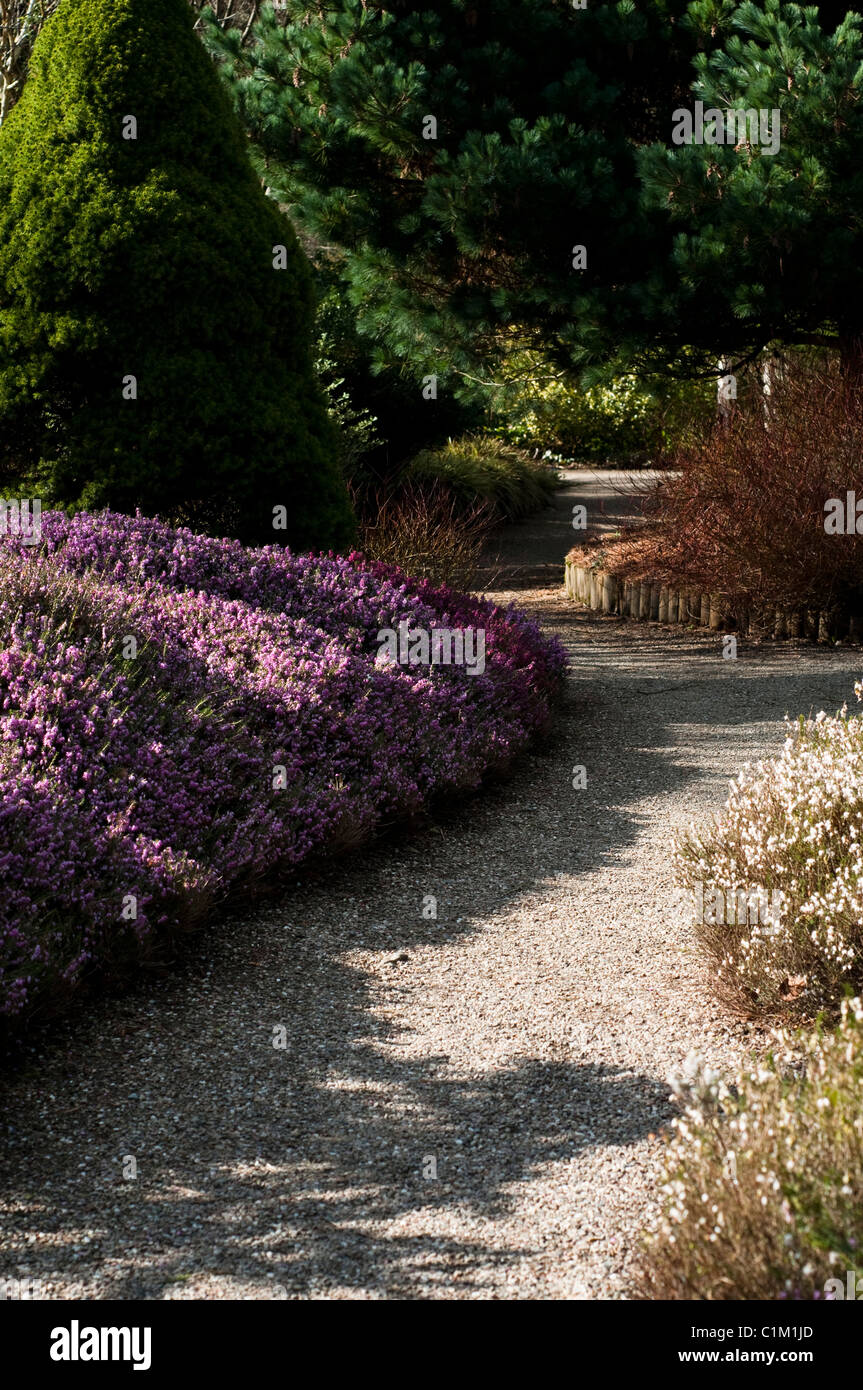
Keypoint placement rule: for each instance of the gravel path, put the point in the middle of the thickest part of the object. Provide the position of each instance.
(530, 554)
(464, 1107)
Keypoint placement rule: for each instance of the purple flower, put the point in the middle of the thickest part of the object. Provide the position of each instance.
(181, 717)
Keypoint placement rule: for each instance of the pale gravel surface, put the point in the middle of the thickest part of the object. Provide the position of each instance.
(522, 1040)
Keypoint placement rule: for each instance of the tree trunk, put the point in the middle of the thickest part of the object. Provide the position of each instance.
(726, 392)
(772, 372)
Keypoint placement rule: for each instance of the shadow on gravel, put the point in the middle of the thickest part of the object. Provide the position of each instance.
(306, 1162)
(305, 1167)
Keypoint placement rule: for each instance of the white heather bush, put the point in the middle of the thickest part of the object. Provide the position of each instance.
(763, 1182)
(791, 827)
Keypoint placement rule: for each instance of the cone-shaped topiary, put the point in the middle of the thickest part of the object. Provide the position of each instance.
(155, 306)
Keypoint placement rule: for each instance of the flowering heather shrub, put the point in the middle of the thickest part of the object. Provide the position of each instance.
(793, 827)
(763, 1183)
(153, 776)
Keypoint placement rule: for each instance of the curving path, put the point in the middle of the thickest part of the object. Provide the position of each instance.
(464, 1107)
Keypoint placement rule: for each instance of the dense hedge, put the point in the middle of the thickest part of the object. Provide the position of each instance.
(152, 257)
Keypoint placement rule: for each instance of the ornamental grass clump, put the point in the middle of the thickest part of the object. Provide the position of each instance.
(488, 473)
(790, 832)
(183, 718)
(425, 531)
(762, 1182)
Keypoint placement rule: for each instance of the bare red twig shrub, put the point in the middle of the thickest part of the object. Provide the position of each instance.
(743, 515)
(426, 530)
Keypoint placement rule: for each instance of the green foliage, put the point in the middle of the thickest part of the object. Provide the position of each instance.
(356, 427)
(766, 246)
(486, 472)
(449, 237)
(621, 418)
(554, 130)
(382, 415)
(153, 258)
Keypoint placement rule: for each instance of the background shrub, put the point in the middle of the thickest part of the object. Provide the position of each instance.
(153, 257)
(623, 418)
(486, 472)
(435, 517)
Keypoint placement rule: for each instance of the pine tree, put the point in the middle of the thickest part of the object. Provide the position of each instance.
(766, 245)
(469, 165)
(155, 306)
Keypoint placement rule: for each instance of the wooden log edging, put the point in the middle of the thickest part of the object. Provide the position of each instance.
(645, 600)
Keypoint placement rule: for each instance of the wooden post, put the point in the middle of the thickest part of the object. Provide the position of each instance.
(644, 601)
(715, 613)
(663, 603)
(654, 602)
(726, 392)
(609, 593)
(705, 610)
(673, 605)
